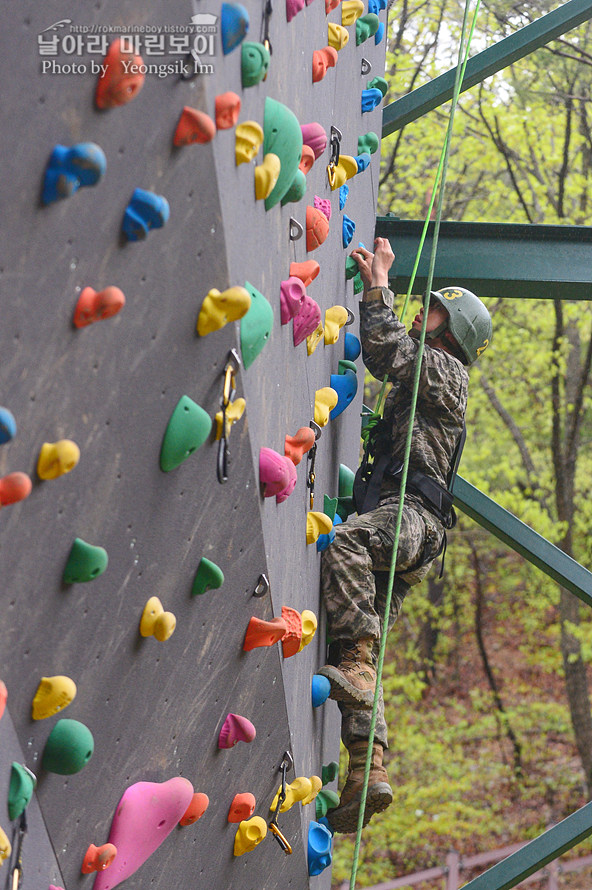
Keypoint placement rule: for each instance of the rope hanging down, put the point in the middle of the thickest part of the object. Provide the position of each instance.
(441, 172)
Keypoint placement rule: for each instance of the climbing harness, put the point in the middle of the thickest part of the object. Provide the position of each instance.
(228, 393)
(286, 764)
(311, 457)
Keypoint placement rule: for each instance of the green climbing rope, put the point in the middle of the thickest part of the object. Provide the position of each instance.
(440, 174)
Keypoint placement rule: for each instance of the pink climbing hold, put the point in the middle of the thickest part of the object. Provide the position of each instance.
(307, 159)
(95, 305)
(324, 205)
(14, 488)
(3, 697)
(293, 637)
(145, 816)
(98, 858)
(242, 807)
(315, 136)
(331, 4)
(307, 320)
(296, 446)
(228, 107)
(236, 729)
(53, 887)
(199, 804)
(277, 474)
(292, 294)
(293, 7)
(264, 633)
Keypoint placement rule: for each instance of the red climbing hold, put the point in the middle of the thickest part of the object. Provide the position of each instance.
(14, 487)
(228, 107)
(306, 271)
(264, 633)
(293, 637)
(120, 81)
(242, 807)
(199, 804)
(98, 858)
(317, 228)
(307, 159)
(331, 4)
(95, 305)
(322, 59)
(194, 126)
(296, 446)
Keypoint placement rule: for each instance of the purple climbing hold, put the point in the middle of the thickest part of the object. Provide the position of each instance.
(314, 136)
(324, 205)
(370, 99)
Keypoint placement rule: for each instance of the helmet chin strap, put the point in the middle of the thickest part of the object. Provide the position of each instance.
(430, 335)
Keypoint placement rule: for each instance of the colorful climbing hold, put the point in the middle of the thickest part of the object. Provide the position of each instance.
(307, 320)
(197, 807)
(378, 83)
(3, 697)
(317, 228)
(325, 400)
(337, 35)
(368, 143)
(5, 847)
(296, 446)
(296, 791)
(351, 267)
(329, 772)
(319, 848)
(209, 576)
(345, 486)
(218, 309)
(297, 190)
(227, 110)
(293, 7)
(316, 524)
(14, 487)
(306, 271)
(236, 729)
(187, 430)
(324, 205)
(349, 164)
(121, 79)
(277, 474)
(282, 137)
(379, 33)
(57, 458)
(155, 622)
(53, 695)
(325, 801)
(366, 27)
(145, 211)
(313, 340)
(324, 541)
(248, 139)
(70, 169)
(320, 689)
(307, 160)
(322, 60)
(98, 858)
(329, 507)
(68, 749)
(335, 318)
(95, 305)
(234, 24)
(255, 60)
(242, 807)
(143, 819)
(20, 790)
(7, 426)
(249, 833)
(263, 633)
(292, 294)
(309, 627)
(266, 176)
(316, 785)
(315, 136)
(352, 347)
(331, 5)
(194, 127)
(370, 100)
(293, 636)
(363, 162)
(358, 283)
(85, 562)
(345, 385)
(255, 326)
(348, 227)
(234, 411)
(350, 11)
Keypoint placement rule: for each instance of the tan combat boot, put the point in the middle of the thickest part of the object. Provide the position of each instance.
(353, 681)
(344, 818)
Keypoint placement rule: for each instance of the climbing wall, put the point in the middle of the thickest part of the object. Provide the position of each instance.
(100, 411)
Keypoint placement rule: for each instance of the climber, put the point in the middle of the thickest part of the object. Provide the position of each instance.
(355, 568)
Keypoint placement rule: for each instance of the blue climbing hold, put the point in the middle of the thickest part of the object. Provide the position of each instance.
(343, 193)
(145, 211)
(69, 169)
(323, 541)
(348, 227)
(352, 346)
(7, 426)
(376, 5)
(319, 848)
(321, 687)
(337, 520)
(234, 24)
(363, 161)
(326, 824)
(379, 34)
(370, 99)
(346, 386)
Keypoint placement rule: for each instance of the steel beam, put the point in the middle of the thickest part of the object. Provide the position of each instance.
(507, 51)
(533, 856)
(495, 259)
(523, 539)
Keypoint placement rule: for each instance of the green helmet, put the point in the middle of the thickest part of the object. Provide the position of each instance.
(469, 322)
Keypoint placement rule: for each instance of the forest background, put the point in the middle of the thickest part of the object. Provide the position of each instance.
(487, 670)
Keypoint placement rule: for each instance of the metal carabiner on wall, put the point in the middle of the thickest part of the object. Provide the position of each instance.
(286, 764)
(229, 390)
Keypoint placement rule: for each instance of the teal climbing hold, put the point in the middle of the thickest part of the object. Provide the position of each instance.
(85, 562)
(329, 507)
(68, 749)
(329, 772)
(344, 365)
(345, 507)
(20, 790)
(209, 576)
(255, 326)
(366, 27)
(325, 801)
(378, 83)
(297, 190)
(358, 283)
(346, 481)
(351, 268)
(187, 430)
(234, 24)
(254, 63)
(282, 137)
(368, 143)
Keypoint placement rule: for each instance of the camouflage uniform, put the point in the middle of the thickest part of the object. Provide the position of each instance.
(354, 571)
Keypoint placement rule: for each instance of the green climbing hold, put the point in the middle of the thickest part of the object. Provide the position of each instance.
(346, 481)
(68, 749)
(351, 268)
(255, 326)
(368, 143)
(297, 190)
(344, 364)
(329, 507)
(20, 790)
(324, 801)
(345, 507)
(254, 63)
(85, 562)
(366, 27)
(378, 83)
(358, 284)
(282, 136)
(329, 772)
(209, 576)
(187, 430)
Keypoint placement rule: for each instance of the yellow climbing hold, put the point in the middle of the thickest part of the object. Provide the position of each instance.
(337, 36)
(309, 627)
(335, 318)
(317, 524)
(155, 622)
(53, 695)
(218, 309)
(325, 400)
(250, 832)
(57, 458)
(248, 139)
(234, 412)
(266, 176)
(336, 175)
(349, 164)
(313, 340)
(315, 786)
(297, 790)
(5, 848)
(350, 11)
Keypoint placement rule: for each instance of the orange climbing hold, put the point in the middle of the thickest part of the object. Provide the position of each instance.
(199, 804)
(293, 636)
(242, 807)
(14, 488)
(317, 228)
(228, 106)
(95, 305)
(331, 4)
(295, 447)
(307, 160)
(264, 633)
(121, 80)
(322, 59)
(98, 858)
(194, 127)
(306, 271)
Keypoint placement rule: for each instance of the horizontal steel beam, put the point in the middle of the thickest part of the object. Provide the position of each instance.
(495, 259)
(482, 65)
(534, 855)
(523, 539)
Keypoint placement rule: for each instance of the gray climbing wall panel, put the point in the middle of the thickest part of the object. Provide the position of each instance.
(155, 709)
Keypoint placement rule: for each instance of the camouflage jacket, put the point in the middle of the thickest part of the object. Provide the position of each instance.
(443, 388)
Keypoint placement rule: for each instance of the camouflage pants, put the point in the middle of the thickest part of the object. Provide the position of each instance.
(354, 580)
